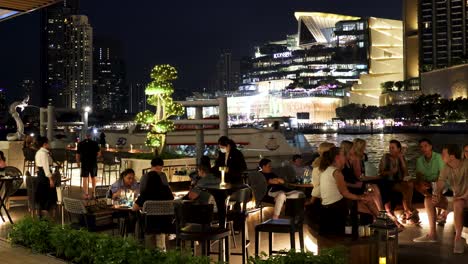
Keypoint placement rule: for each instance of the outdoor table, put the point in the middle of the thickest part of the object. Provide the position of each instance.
(4, 180)
(221, 195)
(301, 185)
(124, 211)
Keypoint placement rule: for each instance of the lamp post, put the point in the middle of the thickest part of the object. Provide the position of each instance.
(86, 109)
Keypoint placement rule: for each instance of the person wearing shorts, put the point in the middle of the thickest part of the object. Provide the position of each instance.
(456, 173)
(86, 155)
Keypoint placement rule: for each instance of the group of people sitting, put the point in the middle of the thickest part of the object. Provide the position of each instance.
(339, 176)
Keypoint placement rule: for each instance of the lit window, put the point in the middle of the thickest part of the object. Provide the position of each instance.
(428, 24)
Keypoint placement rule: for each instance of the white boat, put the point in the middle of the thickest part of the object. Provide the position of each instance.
(254, 143)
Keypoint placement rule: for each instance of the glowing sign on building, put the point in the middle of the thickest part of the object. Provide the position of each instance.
(285, 54)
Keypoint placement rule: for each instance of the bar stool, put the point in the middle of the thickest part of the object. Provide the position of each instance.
(295, 211)
(70, 165)
(240, 213)
(111, 163)
(29, 164)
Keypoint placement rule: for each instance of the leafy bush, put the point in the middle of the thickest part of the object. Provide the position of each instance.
(327, 256)
(81, 246)
(32, 233)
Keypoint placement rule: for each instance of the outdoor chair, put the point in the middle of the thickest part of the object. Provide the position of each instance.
(110, 165)
(93, 221)
(154, 210)
(194, 223)
(239, 214)
(295, 211)
(29, 163)
(102, 191)
(31, 185)
(70, 165)
(15, 193)
(259, 186)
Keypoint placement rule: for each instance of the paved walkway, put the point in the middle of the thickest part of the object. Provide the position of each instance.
(16, 255)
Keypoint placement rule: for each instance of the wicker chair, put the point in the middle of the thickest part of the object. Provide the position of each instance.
(86, 219)
(14, 186)
(102, 191)
(154, 209)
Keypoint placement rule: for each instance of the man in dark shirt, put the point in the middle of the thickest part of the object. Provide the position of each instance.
(206, 178)
(276, 186)
(86, 155)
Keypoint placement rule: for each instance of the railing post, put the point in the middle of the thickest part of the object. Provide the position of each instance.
(200, 144)
(223, 116)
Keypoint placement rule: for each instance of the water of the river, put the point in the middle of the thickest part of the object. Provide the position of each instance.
(377, 144)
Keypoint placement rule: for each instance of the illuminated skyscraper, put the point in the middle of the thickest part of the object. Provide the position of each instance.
(78, 91)
(110, 92)
(53, 54)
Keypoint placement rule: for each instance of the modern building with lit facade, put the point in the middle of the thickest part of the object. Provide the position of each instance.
(79, 63)
(436, 46)
(331, 61)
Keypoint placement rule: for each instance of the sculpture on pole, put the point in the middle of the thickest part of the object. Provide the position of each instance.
(19, 135)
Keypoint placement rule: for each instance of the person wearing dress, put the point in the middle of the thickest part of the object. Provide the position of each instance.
(334, 192)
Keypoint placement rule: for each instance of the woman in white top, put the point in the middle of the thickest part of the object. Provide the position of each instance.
(324, 146)
(333, 189)
(46, 194)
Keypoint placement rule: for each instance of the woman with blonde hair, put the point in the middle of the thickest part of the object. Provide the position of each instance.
(323, 147)
(355, 172)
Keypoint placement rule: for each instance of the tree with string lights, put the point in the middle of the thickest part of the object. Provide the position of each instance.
(159, 92)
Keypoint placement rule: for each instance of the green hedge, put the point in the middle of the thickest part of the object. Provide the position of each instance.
(81, 246)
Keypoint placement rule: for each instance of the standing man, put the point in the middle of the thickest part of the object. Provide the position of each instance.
(86, 155)
(428, 168)
(456, 172)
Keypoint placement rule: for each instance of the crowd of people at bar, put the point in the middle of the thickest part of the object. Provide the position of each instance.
(341, 177)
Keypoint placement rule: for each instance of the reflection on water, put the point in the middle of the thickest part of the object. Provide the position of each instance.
(377, 144)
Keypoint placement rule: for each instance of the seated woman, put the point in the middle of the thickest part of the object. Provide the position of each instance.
(334, 193)
(276, 187)
(354, 171)
(206, 178)
(125, 183)
(153, 189)
(324, 146)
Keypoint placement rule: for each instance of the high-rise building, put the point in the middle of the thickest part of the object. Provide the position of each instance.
(78, 91)
(227, 75)
(27, 86)
(3, 102)
(110, 92)
(137, 98)
(436, 43)
(53, 54)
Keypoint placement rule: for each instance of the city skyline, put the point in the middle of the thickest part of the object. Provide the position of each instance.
(193, 34)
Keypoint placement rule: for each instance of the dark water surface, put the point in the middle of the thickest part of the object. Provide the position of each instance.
(377, 144)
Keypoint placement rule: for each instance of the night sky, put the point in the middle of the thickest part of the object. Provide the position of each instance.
(187, 34)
